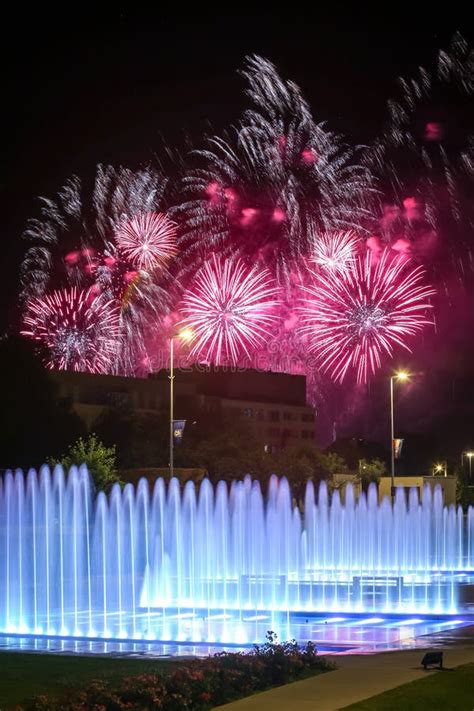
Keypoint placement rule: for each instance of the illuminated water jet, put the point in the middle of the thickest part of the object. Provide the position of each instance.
(152, 565)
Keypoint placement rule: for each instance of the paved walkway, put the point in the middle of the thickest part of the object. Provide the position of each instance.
(357, 677)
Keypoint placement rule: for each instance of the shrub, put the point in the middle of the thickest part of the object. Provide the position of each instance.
(198, 685)
(100, 461)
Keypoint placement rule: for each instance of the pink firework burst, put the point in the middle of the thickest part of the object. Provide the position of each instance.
(351, 319)
(230, 310)
(147, 240)
(335, 251)
(79, 328)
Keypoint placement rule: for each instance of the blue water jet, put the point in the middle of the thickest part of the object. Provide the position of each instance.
(152, 565)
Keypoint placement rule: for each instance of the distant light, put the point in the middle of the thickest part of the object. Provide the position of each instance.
(186, 335)
(402, 375)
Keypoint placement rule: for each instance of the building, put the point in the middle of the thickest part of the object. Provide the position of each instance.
(275, 403)
(447, 484)
(91, 395)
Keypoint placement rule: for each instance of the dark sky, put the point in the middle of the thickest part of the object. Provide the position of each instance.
(88, 87)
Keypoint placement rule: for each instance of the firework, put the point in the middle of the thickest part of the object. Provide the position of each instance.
(426, 155)
(230, 310)
(277, 191)
(335, 251)
(76, 243)
(267, 188)
(79, 329)
(147, 240)
(352, 319)
(80, 221)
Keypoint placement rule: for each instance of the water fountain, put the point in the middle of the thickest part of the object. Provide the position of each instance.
(177, 564)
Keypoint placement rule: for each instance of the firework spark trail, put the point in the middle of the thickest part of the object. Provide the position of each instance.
(79, 329)
(147, 240)
(229, 310)
(352, 319)
(335, 251)
(428, 153)
(266, 189)
(90, 217)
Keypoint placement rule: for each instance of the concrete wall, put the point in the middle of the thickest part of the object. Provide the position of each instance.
(448, 485)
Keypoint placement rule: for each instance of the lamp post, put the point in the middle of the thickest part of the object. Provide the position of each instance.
(401, 376)
(469, 455)
(185, 335)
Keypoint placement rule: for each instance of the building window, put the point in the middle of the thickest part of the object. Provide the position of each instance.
(274, 416)
(260, 415)
(118, 399)
(269, 448)
(248, 412)
(306, 417)
(307, 434)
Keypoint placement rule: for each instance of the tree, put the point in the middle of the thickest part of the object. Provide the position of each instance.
(353, 449)
(304, 461)
(140, 439)
(464, 490)
(370, 471)
(227, 448)
(100, 461)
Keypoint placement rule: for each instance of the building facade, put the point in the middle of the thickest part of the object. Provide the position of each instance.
(447, 484)
(273, 403)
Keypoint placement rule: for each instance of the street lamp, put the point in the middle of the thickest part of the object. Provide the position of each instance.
(469, 455)
(440, 468)
(185, 336)
(400, 376)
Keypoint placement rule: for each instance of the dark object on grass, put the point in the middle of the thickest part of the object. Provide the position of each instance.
(431, 658)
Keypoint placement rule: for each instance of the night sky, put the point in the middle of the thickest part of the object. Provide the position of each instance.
(116, 87)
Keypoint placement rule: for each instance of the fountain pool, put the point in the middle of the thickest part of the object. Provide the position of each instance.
(221, 566)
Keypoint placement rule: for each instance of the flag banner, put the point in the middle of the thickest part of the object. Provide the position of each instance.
(397, 448)
(178, 430)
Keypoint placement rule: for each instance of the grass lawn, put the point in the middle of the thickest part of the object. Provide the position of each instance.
(25, 675)
(444, 690)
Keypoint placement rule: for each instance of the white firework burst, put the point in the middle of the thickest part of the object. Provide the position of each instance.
(335, 251)
(148, 240)
(229, 309)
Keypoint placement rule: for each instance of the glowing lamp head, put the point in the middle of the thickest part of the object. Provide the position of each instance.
(470, 454)
(402, 375)
(438, 468)
(186, 335)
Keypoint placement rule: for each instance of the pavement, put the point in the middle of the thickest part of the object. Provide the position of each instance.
(359, 677)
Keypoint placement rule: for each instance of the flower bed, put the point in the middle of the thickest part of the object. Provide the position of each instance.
(198, 685)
